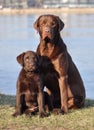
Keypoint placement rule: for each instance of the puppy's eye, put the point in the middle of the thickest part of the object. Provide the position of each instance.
(34, 59)
(27, 58)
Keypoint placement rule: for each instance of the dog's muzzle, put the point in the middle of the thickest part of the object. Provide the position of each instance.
(47, 33)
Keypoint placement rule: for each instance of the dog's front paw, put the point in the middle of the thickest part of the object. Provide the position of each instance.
(57, 111)
(43, 114)
(16, 114)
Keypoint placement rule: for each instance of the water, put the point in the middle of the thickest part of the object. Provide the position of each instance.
(18, 35)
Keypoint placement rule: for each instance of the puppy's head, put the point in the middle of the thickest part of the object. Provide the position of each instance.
(48, 26)
(28, 60)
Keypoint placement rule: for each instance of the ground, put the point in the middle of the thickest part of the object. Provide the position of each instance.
(82, 119)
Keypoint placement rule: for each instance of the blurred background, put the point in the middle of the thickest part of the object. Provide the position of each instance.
(45, 3)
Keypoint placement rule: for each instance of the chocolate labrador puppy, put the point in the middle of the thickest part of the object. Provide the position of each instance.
(29, 96)
(70, 84)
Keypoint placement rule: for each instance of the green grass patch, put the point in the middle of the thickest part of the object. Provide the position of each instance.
(82, 119)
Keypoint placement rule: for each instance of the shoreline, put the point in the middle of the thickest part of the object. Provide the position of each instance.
(79, 10)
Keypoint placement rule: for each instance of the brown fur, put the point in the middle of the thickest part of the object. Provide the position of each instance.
(68, 81)
(29, 96)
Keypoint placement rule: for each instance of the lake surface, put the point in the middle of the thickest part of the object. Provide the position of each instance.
(18, 35)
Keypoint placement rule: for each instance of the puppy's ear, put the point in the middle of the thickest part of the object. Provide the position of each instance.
(61, 24)
(38, 60)
(20, 58)
(38, 57)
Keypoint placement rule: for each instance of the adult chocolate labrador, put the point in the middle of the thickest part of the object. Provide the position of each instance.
(29, 96)
(72, 91)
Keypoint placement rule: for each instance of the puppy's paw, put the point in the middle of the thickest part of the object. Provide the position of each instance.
(31, 111)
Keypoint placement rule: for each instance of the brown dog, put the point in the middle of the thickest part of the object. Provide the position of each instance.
(72, 91)
(29, 94)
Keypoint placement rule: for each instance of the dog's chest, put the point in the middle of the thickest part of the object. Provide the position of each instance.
(46, 49)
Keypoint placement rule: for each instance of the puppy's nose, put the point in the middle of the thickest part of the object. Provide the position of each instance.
(31, 64)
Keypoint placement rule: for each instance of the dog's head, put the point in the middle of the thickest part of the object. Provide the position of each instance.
(48, 26)
(28, 60)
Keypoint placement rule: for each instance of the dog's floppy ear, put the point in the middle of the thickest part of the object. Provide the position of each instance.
(36, 24)
(20, 58)
(61, 24)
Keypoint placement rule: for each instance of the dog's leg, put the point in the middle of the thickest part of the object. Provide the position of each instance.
(18, 106)
(41, 104)
(63, 92)
(19, 98)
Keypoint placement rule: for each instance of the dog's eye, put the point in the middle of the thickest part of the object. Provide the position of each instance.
(43, 23)
(53, 24)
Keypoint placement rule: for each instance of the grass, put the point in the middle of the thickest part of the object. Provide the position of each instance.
(82, 119)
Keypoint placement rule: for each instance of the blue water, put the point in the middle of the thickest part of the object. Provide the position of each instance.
(18, 35)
